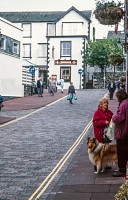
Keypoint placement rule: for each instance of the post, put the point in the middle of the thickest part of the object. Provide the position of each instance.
(80, 81)
(104, 77)
(80, 71)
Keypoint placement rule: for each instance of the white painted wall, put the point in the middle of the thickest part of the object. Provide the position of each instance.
(77, 44)
(72, 16)
(39, 31)
(10, 66)
(76, 55)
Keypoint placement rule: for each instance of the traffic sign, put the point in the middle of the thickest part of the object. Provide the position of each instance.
(80, 71)
(32, 70)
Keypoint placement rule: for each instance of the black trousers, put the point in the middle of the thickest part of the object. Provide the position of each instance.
(122, 153)
(111, 91)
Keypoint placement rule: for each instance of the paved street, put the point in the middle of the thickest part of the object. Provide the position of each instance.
(31, 147)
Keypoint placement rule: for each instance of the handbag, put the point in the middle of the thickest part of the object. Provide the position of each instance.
(106, 138)
(75, 97)
(68, 97)
(111, 130)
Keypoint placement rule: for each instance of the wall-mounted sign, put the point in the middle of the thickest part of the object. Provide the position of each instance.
(65, 62)
(32, 70)
(80, 71)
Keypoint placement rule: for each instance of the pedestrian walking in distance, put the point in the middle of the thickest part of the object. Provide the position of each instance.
(1, 102)
(62, 84)
(40, 87)
(71, 92)
(111, 88)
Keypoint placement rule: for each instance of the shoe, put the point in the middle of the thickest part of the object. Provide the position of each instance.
(118, 174)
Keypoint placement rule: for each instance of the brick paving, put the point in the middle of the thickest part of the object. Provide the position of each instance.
(30, 149)
(27, 103)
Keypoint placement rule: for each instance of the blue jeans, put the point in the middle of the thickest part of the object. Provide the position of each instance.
(40, 91)
(71, 97)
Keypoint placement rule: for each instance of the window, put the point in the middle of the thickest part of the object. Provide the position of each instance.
(119, 68)
(42, 50)
(3, 43)
(27, 30)
(27, 50)
(66, 48)
(15, 47)
(72, 28)
(50, 29)
(65, 73)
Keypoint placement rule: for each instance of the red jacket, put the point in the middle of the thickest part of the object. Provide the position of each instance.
(99, 122)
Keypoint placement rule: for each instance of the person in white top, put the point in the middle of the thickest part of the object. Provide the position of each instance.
(62, 84)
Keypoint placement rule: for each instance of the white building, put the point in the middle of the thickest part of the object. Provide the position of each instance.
(54, 43)
(10, 59)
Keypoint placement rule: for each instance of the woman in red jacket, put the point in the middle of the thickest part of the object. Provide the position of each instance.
(101, 119)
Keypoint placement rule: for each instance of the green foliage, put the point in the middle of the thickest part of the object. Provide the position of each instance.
(116, 56)
(102, 4)
(100, 52)
(122, 193)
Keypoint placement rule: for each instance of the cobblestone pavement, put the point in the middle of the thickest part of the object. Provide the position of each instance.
(20, 106)
(30, 148)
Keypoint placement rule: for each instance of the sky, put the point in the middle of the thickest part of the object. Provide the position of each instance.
(56, 5)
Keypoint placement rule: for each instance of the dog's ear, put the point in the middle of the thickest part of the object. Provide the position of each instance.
(94, 139)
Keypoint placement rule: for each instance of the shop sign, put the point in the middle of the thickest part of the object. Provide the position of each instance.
(65, 62)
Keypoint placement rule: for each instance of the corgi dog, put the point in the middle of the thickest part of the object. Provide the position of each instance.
(101, 155)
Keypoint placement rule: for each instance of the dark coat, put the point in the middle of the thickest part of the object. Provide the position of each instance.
(38, 84)
(1, 99)
(121, 120)
(111, 88)
(71, 89)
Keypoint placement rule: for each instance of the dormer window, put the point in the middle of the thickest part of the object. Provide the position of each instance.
(72, 28)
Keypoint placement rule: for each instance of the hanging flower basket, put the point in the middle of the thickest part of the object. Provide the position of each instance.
(108, 13)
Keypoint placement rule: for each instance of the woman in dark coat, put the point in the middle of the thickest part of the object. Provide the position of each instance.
(121, 132)
(101, 119)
